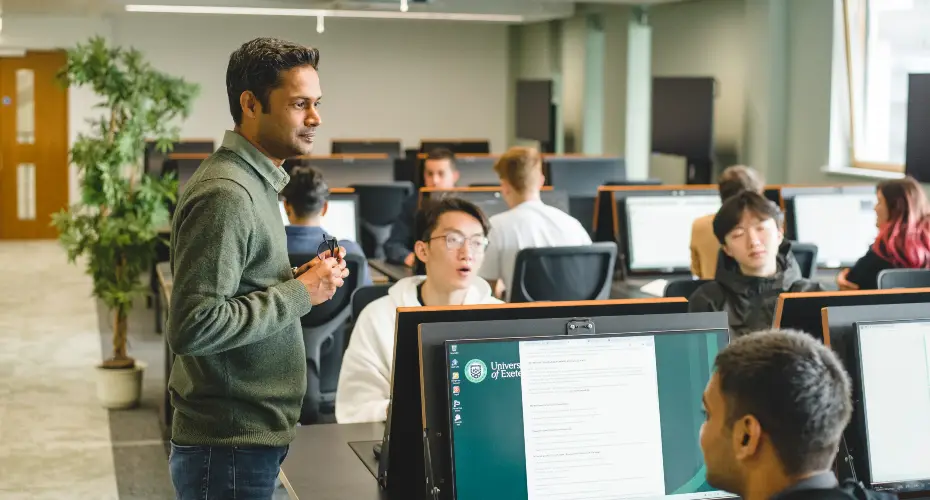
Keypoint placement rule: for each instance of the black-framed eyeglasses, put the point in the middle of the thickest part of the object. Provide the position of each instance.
(455, 241)
(328, 245)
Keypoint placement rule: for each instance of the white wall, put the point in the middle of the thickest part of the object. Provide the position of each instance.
(387, 79)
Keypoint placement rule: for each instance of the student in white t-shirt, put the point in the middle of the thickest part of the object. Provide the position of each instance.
(529, 223)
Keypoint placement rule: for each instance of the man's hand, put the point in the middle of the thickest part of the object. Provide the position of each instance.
(323, 275)
(409, 260)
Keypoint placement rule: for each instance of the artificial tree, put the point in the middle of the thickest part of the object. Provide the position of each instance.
(116, 224)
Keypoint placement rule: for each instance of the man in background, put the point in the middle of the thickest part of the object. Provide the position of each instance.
(439, 172)
(529, 223)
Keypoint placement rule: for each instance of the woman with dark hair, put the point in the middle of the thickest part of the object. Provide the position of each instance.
(903, 219)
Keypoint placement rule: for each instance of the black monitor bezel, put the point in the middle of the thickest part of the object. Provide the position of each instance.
(861, 421)
(432, 361)
(627, 229)
(601, 163)
(403, 461)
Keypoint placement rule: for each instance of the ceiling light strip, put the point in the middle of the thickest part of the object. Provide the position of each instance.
(356, 14)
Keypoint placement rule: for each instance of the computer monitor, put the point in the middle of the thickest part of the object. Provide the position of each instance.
(491, 201)
(476, 170)
(402, 466)
(895, 403)
(340, 220)
(659, 230)
(840, 220)
(457, 146)
(582, 175)
(343, 171)
(802, 310)
(501, 416)
(390, 147)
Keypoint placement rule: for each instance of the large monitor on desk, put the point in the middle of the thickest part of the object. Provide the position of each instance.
(802, 310)
(658, 230)
(840, 220)
(626, 395)
(491, 201)
(457, 146)
(842, 326)
(580, 176)
(403, 457)
(344, 170)
(390, 147)
(894, 406)
(477, 169)
(341, 218)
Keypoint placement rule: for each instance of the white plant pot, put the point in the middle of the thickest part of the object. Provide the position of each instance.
(120, 389)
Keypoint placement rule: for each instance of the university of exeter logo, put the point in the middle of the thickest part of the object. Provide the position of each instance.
(476, 371)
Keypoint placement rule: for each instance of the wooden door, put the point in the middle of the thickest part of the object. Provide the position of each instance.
(33, 145)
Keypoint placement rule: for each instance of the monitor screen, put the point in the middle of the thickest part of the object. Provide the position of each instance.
(895, 372)
(659, 229)
(608, 416)
(339, 221)
(842, 225)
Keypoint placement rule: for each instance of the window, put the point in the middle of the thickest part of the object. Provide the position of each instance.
(885, 40)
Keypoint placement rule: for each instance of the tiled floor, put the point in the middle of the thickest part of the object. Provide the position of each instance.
(54, 437)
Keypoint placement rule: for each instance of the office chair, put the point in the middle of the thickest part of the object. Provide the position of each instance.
(564, 273)
(379, 206)
(324, 332)
(366, 295)
(806, 255)
(682, 288)
(903, 278)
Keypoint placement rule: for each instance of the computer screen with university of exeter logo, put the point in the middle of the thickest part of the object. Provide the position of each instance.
(599, 417)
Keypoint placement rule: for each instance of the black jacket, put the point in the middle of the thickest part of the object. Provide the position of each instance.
(825, 487)
(750, 301)
(400, 243)
(865, 272)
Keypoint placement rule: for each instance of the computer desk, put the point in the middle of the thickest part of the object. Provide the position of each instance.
(320, 465)
(393, 272)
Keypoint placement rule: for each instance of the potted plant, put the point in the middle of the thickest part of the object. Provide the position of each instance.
(115, 226)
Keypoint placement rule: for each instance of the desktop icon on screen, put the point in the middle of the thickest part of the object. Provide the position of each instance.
(456, 404)
(455, 348)
(455, 375)
(458, 417)
(455, 363)
(457, 389)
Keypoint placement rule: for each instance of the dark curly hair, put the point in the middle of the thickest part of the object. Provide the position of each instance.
(306, 192)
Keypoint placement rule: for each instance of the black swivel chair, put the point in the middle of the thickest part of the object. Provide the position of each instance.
(682, 288)
(806, 255)
(903, 278)
(324, 332)
(366, 295)
(564, 273)
(379, 206)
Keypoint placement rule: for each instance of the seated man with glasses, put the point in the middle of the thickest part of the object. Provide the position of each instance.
(452, 238)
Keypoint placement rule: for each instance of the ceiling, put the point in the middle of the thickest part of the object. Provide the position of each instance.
(530, 10)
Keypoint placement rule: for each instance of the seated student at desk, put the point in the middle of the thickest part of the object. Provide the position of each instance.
(529, 223)
(451, 245)
(756, 265)
(704, 245)
(775, 410)
(306, 202)
(439, 172)
(902, 215)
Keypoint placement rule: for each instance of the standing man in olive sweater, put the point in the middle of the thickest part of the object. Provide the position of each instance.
(234, 320)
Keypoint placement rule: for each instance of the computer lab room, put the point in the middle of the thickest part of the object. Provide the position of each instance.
(464, 249)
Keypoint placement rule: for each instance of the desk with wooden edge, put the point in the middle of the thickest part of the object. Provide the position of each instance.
(320, 464)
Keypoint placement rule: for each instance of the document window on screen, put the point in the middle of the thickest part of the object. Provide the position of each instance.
(895, 368)
(594, 418)
(841, 225)
(659, 229)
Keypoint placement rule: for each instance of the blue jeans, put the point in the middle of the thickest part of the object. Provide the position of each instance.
(225, 472)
